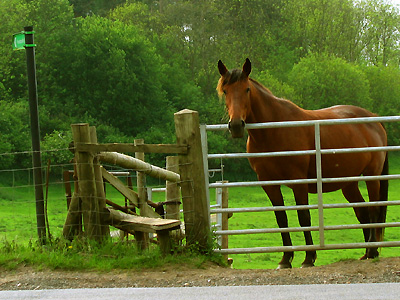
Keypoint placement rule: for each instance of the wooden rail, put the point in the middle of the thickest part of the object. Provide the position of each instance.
(128, 147)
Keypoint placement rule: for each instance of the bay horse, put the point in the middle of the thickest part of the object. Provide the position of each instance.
(248, 101)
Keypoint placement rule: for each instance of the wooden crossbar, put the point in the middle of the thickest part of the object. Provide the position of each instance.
(128, 147)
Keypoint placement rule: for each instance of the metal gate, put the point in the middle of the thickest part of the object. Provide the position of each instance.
(321, 228)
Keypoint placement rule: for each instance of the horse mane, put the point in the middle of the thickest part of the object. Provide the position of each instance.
(261, 86)
(236, 75)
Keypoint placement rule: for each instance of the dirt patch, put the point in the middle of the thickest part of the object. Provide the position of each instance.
(383, 270)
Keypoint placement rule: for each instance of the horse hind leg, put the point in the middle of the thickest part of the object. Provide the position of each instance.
(374, 213)
(352, 193)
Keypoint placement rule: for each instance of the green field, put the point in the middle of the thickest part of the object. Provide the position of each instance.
(18, 219)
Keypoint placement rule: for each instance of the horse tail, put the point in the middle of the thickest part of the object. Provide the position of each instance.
(383, 196)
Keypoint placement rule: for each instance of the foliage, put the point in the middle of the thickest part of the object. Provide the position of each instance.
(385, 94)
(322, 80)
(127, 66)
(14, 135)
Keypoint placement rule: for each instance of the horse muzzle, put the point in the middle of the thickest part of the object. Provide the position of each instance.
(236, 128)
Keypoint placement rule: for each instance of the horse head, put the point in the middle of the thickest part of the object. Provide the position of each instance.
(235, 87)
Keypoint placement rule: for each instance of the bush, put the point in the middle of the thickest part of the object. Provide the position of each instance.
(322, 81)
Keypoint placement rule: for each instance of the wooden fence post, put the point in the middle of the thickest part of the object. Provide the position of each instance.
(193, 188)
(87, 185)
(100, 193)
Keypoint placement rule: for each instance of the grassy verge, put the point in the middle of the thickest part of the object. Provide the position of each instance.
(92, 256)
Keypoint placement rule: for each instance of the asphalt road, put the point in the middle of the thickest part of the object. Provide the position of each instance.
(375, 291)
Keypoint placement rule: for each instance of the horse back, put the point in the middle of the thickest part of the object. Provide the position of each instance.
(332, 137)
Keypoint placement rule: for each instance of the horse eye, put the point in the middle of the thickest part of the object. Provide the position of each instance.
(224, 92)
(248, 90)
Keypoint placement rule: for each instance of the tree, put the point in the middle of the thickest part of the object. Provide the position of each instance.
(84, 8)
(13, 14)
(385, 95)
(322, 80)
(380, 33)
(14, 135)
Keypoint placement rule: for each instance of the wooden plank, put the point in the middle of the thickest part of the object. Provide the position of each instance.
(130, 147)
(120, 186)
(133, 223)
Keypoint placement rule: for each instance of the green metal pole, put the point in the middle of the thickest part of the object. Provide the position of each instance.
(35, 133)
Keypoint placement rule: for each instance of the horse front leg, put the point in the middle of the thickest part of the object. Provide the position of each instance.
(301, 196)
(275, 195)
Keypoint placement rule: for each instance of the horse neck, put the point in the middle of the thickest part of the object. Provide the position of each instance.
(265, 107)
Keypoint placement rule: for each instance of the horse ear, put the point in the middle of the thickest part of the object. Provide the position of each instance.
(247, 67)
(222, 69)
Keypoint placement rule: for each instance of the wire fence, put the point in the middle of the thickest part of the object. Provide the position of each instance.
(18, 217)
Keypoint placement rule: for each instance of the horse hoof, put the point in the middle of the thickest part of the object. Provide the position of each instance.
(307, 265)
(284, 266)
(370, 255)
(364, 257)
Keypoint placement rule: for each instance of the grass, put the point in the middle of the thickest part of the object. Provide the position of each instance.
(92, 256)
(18, 229)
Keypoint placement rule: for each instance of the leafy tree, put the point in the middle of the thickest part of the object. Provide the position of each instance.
(111, 73)
(13, 13)
(380, 32)
(14, 135)
(277, 87)
(83, 8)
(385, 95)
(321, 81)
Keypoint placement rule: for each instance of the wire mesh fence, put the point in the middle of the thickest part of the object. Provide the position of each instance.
(18, 216)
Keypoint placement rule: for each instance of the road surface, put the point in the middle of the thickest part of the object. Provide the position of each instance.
(375, 291)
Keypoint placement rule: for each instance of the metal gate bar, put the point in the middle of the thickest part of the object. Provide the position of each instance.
(307, 247)
(319, 181)
(308, 228)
